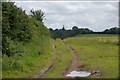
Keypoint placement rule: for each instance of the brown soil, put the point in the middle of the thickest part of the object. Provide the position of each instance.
(46, 68)
(75, 64)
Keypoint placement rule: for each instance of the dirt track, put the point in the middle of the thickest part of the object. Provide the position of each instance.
(46, 68)
(75, 64)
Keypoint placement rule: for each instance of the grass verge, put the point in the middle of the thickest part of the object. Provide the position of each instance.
(29, 64)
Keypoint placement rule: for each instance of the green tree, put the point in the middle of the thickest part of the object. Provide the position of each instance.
(15, 27)
(113, 30)
(75, 30)
(38, 14)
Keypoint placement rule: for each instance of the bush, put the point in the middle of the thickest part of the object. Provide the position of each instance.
(15, 28)
(11, 48)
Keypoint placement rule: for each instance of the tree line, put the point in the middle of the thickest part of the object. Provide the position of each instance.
(63, 33)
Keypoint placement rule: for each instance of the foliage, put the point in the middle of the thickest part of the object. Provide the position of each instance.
(18, 27)
(12, 47)
(26, 43)
(38, 14)
(113, 30)
(15, 26)
(63, 33)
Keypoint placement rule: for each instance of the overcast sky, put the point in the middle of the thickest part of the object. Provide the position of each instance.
(96, 16)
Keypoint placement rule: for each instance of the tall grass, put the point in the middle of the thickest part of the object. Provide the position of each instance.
(28, 64)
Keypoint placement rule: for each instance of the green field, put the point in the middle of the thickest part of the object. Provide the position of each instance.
(97, 52)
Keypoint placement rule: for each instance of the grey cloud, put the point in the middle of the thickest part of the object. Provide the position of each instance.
(95, 15)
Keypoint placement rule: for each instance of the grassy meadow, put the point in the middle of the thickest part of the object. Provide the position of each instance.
(97, 52)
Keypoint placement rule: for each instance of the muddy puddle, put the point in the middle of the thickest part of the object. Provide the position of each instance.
(78, 74)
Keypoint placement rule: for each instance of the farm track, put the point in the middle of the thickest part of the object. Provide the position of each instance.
(75, 64)
(46, 68)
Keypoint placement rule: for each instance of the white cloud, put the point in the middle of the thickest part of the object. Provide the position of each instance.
(95, 15)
